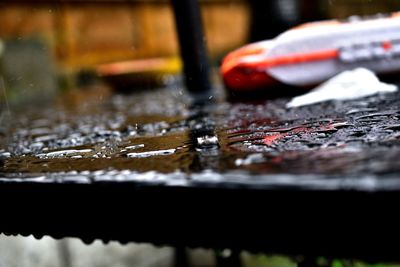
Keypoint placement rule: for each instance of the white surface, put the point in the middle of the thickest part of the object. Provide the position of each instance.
(347, 85)
(334, 37)
(71, 252)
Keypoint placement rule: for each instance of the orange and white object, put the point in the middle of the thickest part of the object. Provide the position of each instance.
(314, 52)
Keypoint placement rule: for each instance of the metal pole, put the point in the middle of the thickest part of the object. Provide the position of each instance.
(192, 45)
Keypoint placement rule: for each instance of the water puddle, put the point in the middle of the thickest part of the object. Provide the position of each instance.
(161, 133)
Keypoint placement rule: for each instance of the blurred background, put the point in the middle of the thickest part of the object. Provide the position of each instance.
(48, 47)
(89, 49)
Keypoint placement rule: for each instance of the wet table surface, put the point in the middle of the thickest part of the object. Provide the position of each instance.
(253, 175)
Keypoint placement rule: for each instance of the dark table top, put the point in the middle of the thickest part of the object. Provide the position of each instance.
(151, 167)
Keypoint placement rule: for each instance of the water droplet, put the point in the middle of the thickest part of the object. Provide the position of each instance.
(63, 153)
(5, 155)
(151, 153)
(134, 147)
(207, 140)
(250, 159)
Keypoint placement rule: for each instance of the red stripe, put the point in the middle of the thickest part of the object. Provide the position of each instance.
(387, 45)
(294, 59)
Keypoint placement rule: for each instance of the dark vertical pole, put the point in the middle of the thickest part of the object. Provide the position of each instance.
(181, 259)
(192, 45)
(272, 17)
